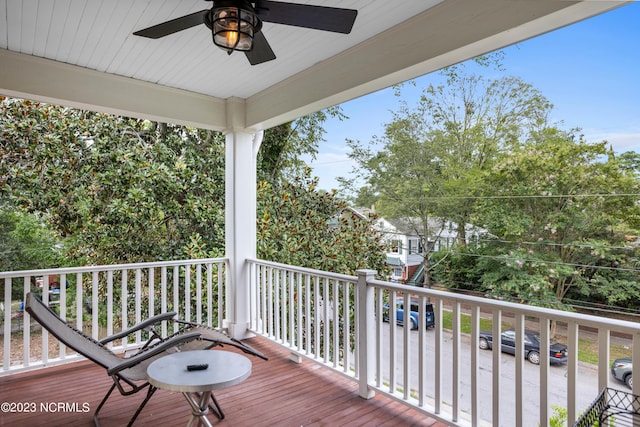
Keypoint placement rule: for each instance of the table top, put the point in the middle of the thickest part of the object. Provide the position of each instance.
(225, 369)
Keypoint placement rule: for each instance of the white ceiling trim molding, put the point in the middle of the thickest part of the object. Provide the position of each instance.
(38, 79)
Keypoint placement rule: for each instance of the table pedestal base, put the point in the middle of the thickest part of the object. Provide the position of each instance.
(200, 408)
(171, 373)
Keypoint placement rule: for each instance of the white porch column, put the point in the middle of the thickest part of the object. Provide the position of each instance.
(241, 150)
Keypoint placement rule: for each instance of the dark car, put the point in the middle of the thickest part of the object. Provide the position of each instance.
(621, 370)
(557, 351)
(413, 313)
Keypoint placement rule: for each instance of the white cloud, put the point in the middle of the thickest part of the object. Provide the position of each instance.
(620, 141)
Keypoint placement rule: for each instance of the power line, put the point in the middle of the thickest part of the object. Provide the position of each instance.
(552, 244)
(533, 196)
(513, 242)
(586, 266)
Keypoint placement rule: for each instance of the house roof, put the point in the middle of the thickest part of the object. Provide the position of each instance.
(413, 226)
(364, 213)
(83, 54)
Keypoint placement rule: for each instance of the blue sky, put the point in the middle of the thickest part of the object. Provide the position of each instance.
(589, 71)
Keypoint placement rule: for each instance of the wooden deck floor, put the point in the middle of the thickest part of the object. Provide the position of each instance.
(278, 393)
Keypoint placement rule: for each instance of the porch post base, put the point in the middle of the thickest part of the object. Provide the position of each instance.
(366, 392)
(240, 331)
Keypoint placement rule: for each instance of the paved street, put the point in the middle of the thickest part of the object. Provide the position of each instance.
(587, 380)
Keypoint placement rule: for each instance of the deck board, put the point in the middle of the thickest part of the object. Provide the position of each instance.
(278, 393)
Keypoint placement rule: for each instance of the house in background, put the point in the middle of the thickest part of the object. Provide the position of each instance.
(405, 250)
(405, 247)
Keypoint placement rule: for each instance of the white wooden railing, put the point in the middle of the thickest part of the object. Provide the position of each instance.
(337, 321)
(103, 300)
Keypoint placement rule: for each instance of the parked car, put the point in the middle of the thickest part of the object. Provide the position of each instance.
(413, 313)
(621, 370)
(557, 351)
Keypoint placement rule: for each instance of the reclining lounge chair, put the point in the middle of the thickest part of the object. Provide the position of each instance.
(130, 374)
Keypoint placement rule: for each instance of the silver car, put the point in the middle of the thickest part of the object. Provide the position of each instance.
(621, 370)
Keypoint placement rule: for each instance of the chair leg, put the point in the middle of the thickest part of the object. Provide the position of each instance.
(104, 399)
(150, 392)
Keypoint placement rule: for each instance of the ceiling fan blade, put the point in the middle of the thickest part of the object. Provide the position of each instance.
(308, 16)
(173, 26)
(261, 51)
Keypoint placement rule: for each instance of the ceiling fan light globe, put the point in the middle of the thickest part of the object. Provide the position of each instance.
(233, 28)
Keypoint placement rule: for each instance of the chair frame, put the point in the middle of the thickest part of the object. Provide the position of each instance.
(99, 353)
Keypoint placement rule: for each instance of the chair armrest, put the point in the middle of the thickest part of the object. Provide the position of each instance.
(144, 324)
(153, 351)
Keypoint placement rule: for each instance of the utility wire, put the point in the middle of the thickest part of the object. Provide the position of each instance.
(595, 267)
(552, 244)
(516, 242)
(534, 196)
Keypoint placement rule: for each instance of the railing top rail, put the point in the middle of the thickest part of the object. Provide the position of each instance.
(623, 326)
(304, 270)
(618, 325)
(113, 267)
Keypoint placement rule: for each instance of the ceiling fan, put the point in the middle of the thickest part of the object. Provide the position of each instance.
(237, 24)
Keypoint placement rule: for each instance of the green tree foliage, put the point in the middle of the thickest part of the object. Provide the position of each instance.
(117, 189)
(283, 146)
(563, 213)
(630, 161)
(559, 190)
(433, 155)
(560, 209)
(26, 242)
(126, 190)
(299, 225)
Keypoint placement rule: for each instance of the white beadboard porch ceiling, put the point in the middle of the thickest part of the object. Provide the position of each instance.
(83, 53)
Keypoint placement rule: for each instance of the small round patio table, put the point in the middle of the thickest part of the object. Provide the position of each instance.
(224, 370)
